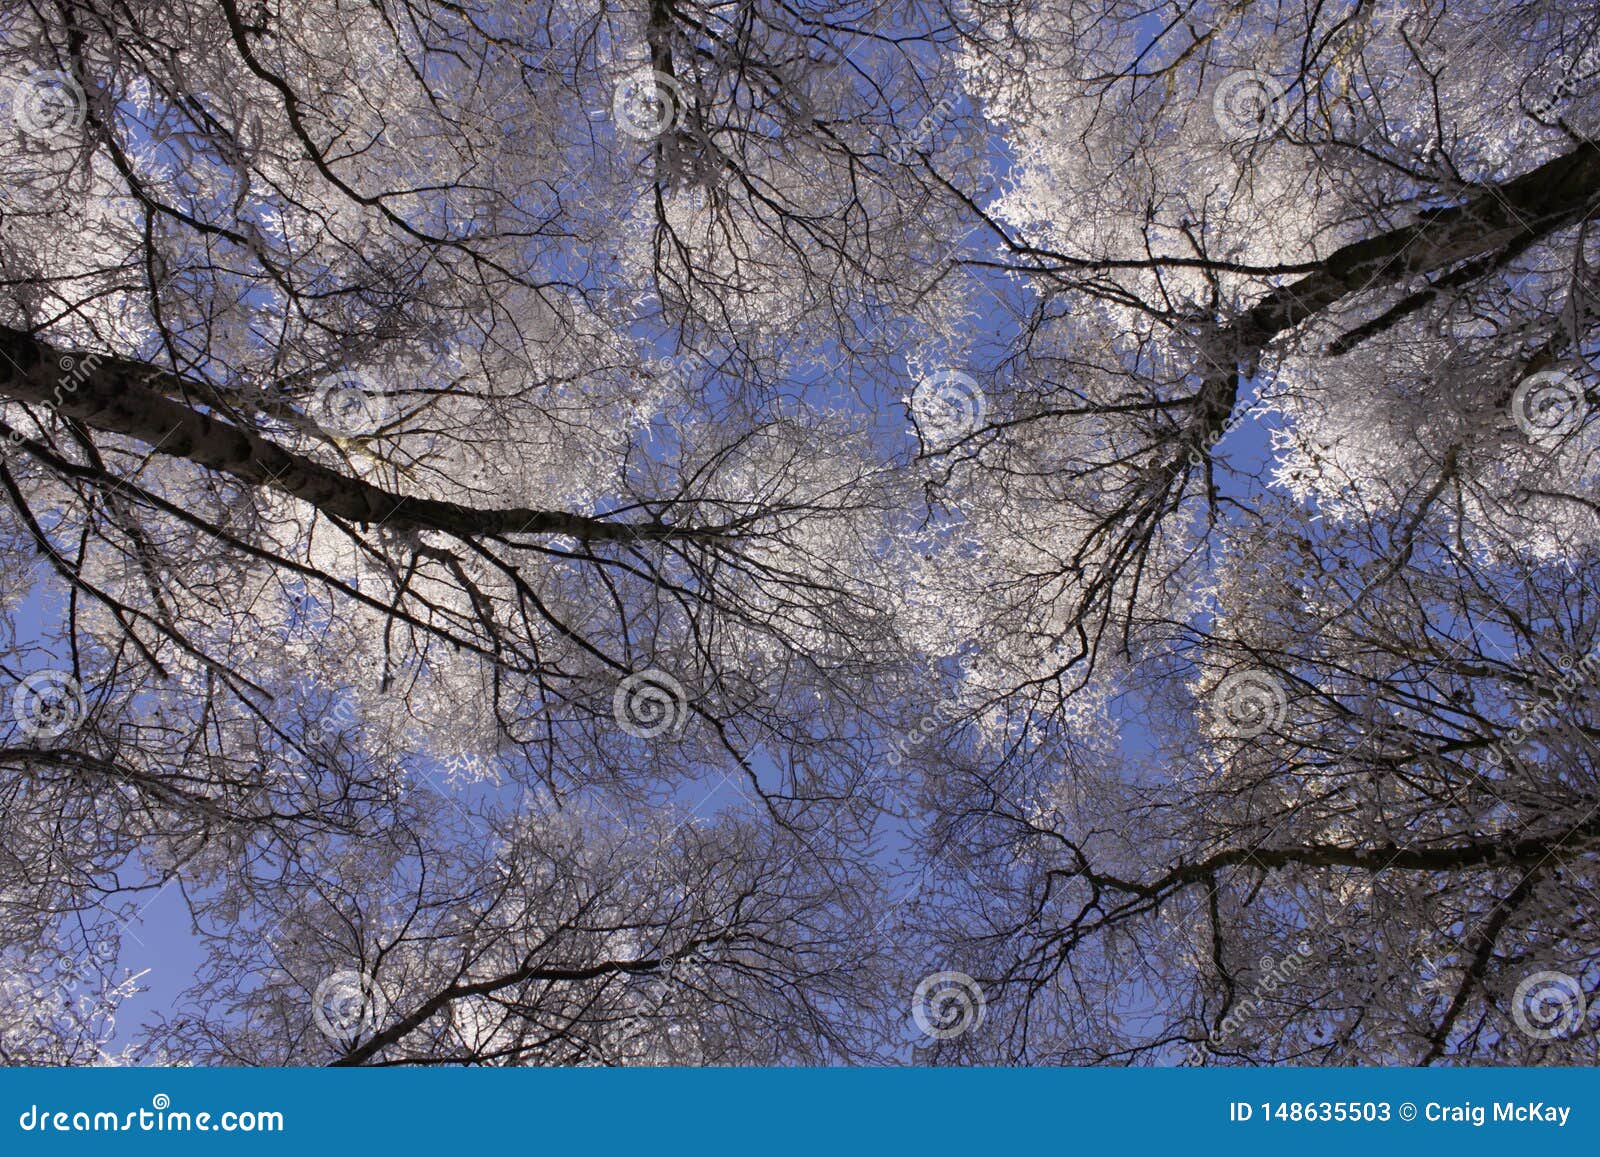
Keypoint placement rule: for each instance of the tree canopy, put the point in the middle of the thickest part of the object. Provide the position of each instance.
(801, 531)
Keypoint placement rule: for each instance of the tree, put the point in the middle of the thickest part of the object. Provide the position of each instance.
(1354, 816)
(371, 421)
(514, 511)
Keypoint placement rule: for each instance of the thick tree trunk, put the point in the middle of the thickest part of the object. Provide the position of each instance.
(139, 401)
